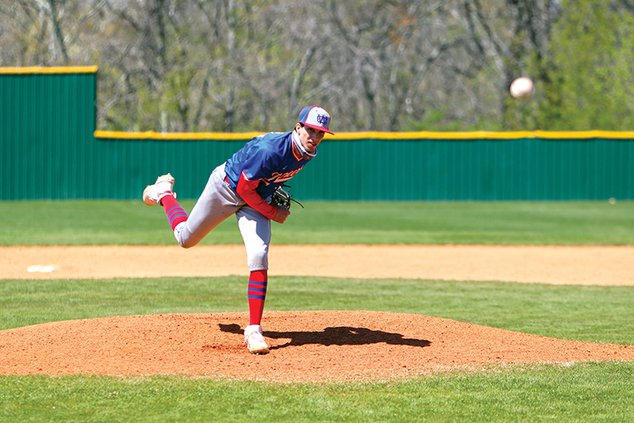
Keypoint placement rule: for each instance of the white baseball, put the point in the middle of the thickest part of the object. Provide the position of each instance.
(522, 87)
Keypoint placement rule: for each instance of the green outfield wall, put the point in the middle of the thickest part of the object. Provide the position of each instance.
(51, 149)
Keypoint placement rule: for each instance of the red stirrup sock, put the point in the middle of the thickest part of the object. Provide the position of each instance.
(257, 295)
(174, 212)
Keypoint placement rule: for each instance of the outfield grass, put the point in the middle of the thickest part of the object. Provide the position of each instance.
(492, 223)
(597, 392)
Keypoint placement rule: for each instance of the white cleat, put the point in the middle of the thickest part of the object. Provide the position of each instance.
(152, 194)
(254, 340)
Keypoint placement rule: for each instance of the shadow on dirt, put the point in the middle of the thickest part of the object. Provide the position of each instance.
(339, 335)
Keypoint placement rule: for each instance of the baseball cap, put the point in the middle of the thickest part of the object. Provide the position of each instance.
(315, 117)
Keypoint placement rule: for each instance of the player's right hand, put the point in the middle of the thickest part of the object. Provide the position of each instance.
(281, 215)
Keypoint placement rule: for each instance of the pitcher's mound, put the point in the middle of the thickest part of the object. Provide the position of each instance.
(305, 346)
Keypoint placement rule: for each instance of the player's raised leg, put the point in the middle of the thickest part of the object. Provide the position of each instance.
(217, 202)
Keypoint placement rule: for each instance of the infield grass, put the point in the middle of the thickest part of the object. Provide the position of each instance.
(586, 313)
(492, 223)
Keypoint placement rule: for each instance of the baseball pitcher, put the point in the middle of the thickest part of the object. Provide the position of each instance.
(249, 186)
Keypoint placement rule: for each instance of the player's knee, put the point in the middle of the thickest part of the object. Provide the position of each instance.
(187, 244)
(259, 258)
(184, 238)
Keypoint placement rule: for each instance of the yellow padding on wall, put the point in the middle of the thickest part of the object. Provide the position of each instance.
(47, 70)
(168, 136)
(420, 135)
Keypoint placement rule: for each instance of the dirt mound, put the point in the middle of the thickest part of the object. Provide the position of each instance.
(305, 346)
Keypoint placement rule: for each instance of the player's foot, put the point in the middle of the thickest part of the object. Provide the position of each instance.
(163, 186)
(254, 340)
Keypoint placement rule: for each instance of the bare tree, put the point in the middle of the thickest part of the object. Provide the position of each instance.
(235, 65)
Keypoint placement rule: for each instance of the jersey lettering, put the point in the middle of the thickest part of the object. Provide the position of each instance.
(278, 177)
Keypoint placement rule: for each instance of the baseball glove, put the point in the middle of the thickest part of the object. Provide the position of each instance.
(282, 198)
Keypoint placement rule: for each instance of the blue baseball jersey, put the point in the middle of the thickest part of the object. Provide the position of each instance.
(271, 157)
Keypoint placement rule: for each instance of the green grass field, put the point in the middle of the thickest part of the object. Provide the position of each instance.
(583, 392)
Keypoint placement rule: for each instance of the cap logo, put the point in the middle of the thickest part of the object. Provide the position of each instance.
(323, 120)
